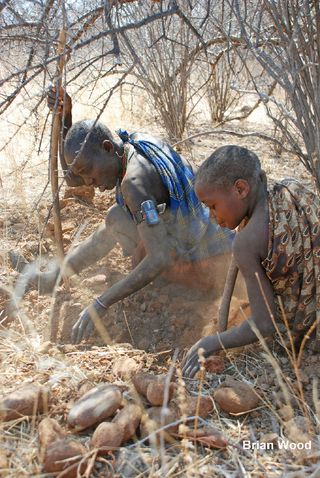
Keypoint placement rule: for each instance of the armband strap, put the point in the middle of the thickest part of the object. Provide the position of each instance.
(139, 216)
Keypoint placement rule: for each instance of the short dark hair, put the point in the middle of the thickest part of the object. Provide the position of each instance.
(227, 164)
(85, 131)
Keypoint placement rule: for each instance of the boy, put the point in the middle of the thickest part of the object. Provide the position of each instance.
(278, 250)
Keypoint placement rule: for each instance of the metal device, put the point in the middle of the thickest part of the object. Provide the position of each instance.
(149, 212)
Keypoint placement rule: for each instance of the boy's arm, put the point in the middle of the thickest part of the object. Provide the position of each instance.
(249, 263)
(158, 258)
(64, 104)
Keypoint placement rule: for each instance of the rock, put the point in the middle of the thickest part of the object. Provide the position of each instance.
(152, 421)
(25, 401)
(59, 451)
(49, 431)
(129, 418)
(236, 397)
(94, 406)
(125, 367)
(107, 436)
(205, 406)
(215, 364)
(157, 390)
(98, 279)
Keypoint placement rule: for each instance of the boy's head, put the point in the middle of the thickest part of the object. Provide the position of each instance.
(91, 151)
(226, 182)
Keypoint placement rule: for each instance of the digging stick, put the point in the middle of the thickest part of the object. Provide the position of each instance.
(229, 286)
(227, 295)
(55, 136)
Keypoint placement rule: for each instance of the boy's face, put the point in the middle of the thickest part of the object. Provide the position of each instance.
(228, 206)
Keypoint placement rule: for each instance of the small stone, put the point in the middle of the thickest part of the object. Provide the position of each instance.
(98, 279)
(143, 307)
(49, 431)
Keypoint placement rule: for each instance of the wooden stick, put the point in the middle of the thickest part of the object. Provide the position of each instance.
(230, 283)
(55, 136)
(227, 295)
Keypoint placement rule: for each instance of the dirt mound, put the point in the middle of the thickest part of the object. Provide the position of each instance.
(159, 317)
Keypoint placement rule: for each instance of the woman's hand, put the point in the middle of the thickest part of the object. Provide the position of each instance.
(206, 346)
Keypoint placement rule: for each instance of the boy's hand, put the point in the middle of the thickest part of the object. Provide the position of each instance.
(63, 102)
(191, 363)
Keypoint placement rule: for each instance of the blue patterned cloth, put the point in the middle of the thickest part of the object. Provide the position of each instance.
(197, 236)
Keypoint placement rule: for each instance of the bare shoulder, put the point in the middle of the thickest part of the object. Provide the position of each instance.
(142, 182)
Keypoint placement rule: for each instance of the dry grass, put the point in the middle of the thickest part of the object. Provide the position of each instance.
(65, 369)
